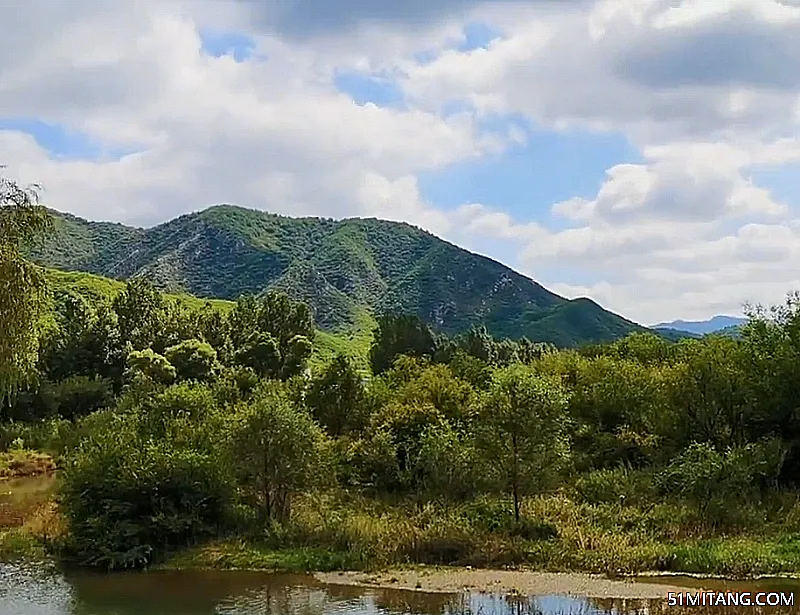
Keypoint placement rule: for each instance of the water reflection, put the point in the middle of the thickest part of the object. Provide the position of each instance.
(29, 590)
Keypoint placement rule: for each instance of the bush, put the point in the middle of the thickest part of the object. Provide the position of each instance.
(495, 516)
(612, 486)
(713, 480)
(52, 436)
(78, 396)
(371, 462)
(129, 499)
(149, 365)
(447, 463)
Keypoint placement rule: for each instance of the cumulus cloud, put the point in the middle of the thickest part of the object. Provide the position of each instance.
(305, 18)
(652, 69)
(706, 91)
(269, 133)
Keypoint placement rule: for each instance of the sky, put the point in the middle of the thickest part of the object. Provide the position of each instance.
(644, 153)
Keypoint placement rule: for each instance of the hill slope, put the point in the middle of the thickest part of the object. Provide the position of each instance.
(342, 268)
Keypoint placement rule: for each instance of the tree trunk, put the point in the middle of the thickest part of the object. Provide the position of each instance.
(266, 488)
(515, 477)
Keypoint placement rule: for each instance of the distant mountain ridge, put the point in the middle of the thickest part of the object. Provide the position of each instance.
(702, 327)
(342, 268)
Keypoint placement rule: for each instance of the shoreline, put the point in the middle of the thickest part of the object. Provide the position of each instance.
(523, 582)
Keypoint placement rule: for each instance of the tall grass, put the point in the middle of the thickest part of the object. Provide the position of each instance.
(557, 533)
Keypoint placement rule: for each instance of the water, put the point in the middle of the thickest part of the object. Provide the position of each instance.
(31, 590)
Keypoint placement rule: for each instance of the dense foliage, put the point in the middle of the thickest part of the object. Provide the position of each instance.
(341, 269)
(178, 421)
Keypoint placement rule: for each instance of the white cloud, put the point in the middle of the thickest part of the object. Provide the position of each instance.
(273, 134)
(708, 91)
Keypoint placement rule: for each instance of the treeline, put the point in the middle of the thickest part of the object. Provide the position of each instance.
(175, 425)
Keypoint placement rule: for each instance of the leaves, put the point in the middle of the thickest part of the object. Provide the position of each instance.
(23, 292)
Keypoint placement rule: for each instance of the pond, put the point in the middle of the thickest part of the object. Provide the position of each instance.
(32, 590)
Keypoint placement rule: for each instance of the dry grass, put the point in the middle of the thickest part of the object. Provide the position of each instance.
(21, 462)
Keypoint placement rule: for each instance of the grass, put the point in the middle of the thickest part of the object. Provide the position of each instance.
(344, 531)
(98, 288)
(353, 343)
(339, 532)
(239, 554)
(30, 523)
(20, 462)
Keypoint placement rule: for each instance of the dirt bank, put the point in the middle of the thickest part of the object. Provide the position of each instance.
(452, 580)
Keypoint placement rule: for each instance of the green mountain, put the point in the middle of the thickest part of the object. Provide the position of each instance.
(343, 268)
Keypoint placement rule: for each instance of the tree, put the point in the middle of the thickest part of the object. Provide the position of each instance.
(84, 341)
(436, 385)
(278, 450)
(398, 335)
(260, 352)
(193, 359)
(271, 334)
(479, 344)
(336, 397)
(140, 313)
(23, 289)
(522, 430)
(151, 366)
(129, 497)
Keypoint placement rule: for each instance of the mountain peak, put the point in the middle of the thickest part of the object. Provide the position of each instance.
(342, 268)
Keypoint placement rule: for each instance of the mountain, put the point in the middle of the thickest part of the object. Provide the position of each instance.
(344, 269)
(701, 327)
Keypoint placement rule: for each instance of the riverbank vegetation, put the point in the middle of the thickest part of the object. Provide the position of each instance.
(203, 434)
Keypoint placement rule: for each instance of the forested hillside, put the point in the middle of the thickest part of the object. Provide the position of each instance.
(341, 269)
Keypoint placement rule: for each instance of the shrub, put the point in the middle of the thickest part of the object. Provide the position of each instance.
(611, 486)
(78, 396)
(712, 479)
(128, 499)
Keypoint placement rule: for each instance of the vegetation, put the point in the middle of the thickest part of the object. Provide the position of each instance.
(196, 433)
(343, 270)
(22, 288)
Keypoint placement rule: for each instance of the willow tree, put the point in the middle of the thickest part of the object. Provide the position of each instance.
(22, 284)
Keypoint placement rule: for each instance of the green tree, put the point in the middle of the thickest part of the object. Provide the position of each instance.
(711, 478)
(406, 423)
(522, 431)
(193, 360)
(261, 353)
(151, 366)
(78, 396)
(336, 397)
(85, 341)
(479, 344)
(448, 463)
(23, 289)
(278, 451)
(130, 497)
(771, 348)
(140, 314)
(398, 335)
(710, 397)
(272, 334)
(436, 385)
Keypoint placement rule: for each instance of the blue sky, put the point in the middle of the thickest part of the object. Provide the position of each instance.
(578, 145)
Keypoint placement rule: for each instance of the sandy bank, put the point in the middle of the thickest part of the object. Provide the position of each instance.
(453, 580)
